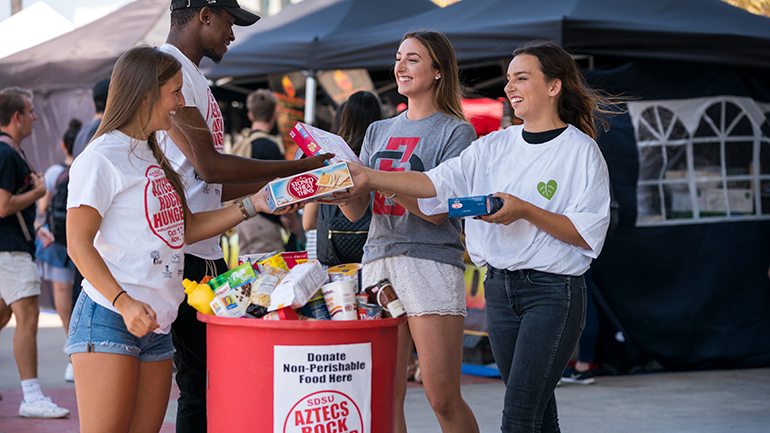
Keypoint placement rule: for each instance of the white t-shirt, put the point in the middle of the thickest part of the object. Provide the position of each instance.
(201, 196)
(572, 175)
(142, 230)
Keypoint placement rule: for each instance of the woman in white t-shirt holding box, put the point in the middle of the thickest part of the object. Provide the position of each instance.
(555, 186)
(126, 225)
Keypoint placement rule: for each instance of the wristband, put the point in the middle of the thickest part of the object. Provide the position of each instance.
(249, 206)
(37, 229)
(118, 296)
(243, 211)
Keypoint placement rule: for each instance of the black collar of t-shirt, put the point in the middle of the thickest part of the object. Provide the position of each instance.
(541, 137)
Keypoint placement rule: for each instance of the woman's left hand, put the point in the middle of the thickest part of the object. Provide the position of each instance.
(513, 209)
(260, 204)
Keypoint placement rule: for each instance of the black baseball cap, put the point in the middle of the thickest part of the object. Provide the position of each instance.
(242, 16)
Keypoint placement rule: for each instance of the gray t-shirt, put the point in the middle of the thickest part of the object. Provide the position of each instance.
(400, 144)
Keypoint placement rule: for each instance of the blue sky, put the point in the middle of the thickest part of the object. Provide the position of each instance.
(64, 7)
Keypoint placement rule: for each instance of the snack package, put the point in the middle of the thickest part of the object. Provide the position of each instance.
(263, 286)
(294, 258)
(230, 304)
(308, 186)
(313, 141)
(347, 272)
(233, 279)
(286, 313)
(298, 286)
(232, 291)
(473, 206)
(316, 307)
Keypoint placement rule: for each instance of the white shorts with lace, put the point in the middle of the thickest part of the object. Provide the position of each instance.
(423, 286)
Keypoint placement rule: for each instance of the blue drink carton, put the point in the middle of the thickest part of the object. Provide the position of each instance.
(473, 206)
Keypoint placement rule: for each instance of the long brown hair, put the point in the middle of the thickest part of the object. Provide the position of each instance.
(578, 104)
(358, 112)
(140, 70)
(447, 95)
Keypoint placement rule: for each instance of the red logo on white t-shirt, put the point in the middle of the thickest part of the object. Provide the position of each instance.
(163, 209)
(217, 125)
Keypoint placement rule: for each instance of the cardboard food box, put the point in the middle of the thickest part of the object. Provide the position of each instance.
(313, 141)
(473, 206)
(308, 186)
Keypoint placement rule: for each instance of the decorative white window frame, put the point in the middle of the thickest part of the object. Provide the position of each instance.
(691, 195)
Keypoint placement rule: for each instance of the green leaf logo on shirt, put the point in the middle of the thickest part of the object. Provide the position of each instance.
(547, 190)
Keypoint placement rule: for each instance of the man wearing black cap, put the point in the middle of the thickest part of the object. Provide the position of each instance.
(100, 101)
(194, 145)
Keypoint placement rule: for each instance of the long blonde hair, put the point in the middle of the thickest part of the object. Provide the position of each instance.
(140, 70)
(447, 95)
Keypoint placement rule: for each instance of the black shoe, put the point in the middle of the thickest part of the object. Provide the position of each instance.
(579, 377)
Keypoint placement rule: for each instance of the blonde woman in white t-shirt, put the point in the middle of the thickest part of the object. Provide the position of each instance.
(127, 222)
(554, 183)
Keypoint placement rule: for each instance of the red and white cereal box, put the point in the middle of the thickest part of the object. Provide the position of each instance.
(313, 141)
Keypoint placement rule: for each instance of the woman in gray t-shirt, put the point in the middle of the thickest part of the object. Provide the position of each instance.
(420, 254)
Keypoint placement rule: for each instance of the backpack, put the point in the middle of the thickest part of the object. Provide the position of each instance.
(242, 146)
(57, 208)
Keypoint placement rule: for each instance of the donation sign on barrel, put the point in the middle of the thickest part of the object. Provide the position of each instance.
(322, 389)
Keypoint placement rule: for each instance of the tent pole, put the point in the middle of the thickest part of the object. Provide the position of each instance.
(310, 83)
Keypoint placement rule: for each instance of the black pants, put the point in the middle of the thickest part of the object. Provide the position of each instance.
(189, 337)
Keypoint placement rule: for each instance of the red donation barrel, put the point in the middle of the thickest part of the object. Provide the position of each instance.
(293, 376)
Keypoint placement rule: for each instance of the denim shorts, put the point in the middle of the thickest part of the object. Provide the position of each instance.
(94, 328)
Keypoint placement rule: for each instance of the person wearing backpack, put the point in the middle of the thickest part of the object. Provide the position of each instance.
(262, 234)
(53, 262)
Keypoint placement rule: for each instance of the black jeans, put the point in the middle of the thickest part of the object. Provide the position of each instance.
(534, 321)
(189, 337)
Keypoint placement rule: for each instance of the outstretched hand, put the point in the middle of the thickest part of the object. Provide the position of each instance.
(260, 204)
(319, 160)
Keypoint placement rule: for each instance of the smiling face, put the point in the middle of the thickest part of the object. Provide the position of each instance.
(415, 74)
(165, 107)
(218, 34)
(533, 97)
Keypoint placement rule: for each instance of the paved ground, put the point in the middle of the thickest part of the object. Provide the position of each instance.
(736, 401)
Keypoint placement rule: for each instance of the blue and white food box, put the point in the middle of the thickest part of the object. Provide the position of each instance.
(473, 206)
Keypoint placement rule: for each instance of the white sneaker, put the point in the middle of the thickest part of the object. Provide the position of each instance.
(69, 376)
(42, 408)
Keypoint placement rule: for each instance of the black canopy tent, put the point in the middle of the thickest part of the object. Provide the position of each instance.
(692, 295)
(291, 39)
(709, 31)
